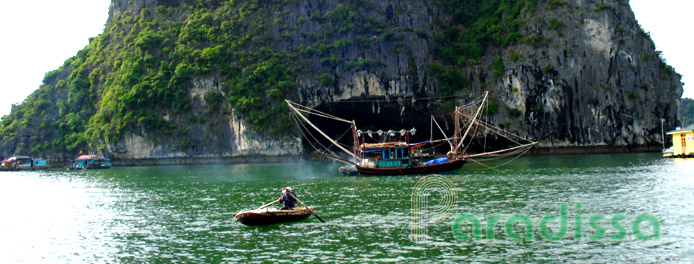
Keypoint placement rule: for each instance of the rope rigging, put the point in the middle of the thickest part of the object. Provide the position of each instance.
(323, 150)
(476, 122)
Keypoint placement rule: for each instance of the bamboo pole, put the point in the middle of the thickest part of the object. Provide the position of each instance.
(267, 205)
(500, 151)
(309, 209)
(319, 131)
(472, 122)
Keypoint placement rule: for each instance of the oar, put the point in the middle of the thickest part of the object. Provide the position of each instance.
(262, 207)
(309, 209)
(267, 205)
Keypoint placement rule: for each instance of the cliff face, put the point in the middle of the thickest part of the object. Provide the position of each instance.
(599, 82)
(569, 73)
(220, 136)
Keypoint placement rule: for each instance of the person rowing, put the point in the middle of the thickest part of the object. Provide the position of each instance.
(289, 200)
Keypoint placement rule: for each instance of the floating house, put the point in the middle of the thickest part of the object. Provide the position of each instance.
(90, 162)
(682, 142)
(23, 163)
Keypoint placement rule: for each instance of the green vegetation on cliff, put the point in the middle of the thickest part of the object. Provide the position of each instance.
(474, 26)
(687, 111)
(174, 71)
(136, 76)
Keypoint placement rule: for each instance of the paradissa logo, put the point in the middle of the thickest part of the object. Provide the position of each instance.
(596, 222)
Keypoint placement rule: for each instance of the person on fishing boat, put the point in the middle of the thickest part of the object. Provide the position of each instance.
(289, 201)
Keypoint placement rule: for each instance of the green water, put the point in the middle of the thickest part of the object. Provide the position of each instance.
(185, 214)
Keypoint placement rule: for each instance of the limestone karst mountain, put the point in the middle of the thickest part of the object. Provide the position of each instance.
(182, 79)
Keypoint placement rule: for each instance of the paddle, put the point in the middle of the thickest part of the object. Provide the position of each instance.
(267, 205)
(261, 207)
(309, 209)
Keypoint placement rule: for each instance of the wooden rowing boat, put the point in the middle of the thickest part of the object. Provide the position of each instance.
(269, 216)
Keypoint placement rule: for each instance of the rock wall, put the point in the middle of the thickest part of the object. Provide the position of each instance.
(596, 80)
(219, 138)
(601, 82)
(589, 78)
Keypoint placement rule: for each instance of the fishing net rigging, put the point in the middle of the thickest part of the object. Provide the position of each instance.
(313, 140)
(522, 145)
(471, 125)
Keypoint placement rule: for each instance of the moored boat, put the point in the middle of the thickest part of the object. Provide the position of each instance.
(391, 152)
(90, 162)
(269, 216)
(17, 163)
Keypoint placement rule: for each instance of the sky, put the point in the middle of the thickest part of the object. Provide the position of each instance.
(670, 22)
(37, 36)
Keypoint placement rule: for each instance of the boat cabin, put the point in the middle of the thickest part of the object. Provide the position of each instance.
(682, 141)
(23, 163)
(91, 162)
(385, 155)
(391, 153)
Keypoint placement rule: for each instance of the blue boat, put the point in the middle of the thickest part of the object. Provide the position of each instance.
(90, 162)
(17, 163)
(391, 152)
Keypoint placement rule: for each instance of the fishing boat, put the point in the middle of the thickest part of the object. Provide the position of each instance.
(18, 163)
(391, 152)
(269, 216)
(90, 162)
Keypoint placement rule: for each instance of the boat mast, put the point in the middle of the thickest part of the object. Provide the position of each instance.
(456, 132)
(472, 122)
(356, 140)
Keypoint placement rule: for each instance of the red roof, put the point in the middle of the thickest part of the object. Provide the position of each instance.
(90, 157)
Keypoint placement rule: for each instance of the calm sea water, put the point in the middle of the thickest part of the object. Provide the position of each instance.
(185, 214)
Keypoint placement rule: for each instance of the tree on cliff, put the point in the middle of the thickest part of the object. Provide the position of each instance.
(193, 77)
(687, 111)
